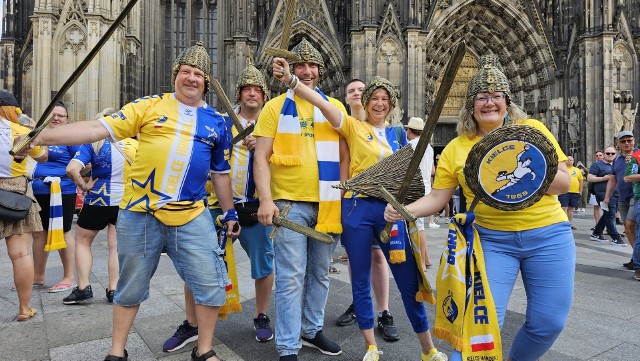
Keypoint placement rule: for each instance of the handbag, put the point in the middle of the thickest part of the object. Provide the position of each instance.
(247, 213)
(13, 205)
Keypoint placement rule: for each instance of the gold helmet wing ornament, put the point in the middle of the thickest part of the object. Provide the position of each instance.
(197, 57)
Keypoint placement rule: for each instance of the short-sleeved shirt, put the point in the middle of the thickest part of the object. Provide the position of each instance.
(243, 185)
(9, 131)
(111, 169)
(55, 166)
(601, 169)
(295, 183)
(450, 173)
(631, 169)
(576, 179)
(179, 145)
(625, 190)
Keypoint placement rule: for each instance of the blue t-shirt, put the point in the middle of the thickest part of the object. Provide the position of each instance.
(55, 166)
(625, 190)
(601, 169)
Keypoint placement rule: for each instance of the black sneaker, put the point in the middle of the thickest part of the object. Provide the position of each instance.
(322, 344)
(79, 296)
(117, 358)
(262, 326)
(628, 265)
(348, 317)
(109, 294)
(195, 357)
(385, 324)
(618, 242)
(184, 334)
(636, 274)
(289, 358)
(598, 238)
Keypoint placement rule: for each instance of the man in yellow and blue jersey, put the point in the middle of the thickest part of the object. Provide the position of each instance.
(182, 140)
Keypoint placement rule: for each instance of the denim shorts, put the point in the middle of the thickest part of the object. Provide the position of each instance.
(192, 247)
(259, 247)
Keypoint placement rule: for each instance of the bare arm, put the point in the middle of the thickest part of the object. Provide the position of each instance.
(262, 177)
(425, 206)
(561, 182)
(595, 179)
(222, 187)
(73, 171)
(330, 111)
(611, 186)
(73, 134)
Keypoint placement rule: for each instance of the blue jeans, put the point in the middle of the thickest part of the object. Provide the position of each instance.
(302, 279)
(256, 243)
(608, 218)
(193, 248)
(636, 246)
(362, 221)
(546, 259)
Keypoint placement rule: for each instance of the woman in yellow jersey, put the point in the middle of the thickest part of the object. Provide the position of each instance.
(535, 242)
(362, 217)
(12, 178)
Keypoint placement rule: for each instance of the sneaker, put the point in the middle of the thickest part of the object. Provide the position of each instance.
(79, 296)
(372, 355)
(434, 225)
(109, 294)
(348, 317)
(117, 358)
(185, 334)
(438, 356)
(262, 326)
(636, 274)
(289, 358)
(618, 242)
(573, 227)
(207, 355)
(322, 344)
(385, 324)
(597, 238)
(628, 265)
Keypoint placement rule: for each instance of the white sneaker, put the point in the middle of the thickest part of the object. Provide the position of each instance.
(434, 225)
(372, 355)
(438, 357)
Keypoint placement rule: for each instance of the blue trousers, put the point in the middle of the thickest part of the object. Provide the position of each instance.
(362, 221)
(545, 257)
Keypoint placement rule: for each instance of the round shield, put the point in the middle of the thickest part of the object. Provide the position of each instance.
(511, 167)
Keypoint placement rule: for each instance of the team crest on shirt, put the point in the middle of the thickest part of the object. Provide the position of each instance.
(160, 121)
(368, 137)
(512, 171)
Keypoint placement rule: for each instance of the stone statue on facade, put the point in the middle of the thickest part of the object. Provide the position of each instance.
(555, 122)
(573, 123)
(628, 117)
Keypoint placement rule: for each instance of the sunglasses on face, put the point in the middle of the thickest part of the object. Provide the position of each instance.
(610, 153)
(625, 141)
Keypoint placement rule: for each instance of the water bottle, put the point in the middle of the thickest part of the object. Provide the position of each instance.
(24, 120)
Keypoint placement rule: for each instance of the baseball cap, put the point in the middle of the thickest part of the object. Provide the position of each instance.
(625, 133)
(7, 99)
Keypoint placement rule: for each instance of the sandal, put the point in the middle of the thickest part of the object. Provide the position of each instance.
(333, 270)
(207, 355)
(61, 287)
(27, 316)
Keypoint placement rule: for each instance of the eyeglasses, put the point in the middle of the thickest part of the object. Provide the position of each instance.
(610, 153)
(625, 141)
(485, 100)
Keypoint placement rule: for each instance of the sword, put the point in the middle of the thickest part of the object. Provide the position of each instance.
(283, 51)
(282, 221)
(226, 105)
(44, 121)
(430, 126)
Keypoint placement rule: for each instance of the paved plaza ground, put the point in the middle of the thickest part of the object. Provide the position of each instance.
(603, 324)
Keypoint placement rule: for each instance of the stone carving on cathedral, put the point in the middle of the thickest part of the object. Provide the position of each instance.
(555, 122)
(573, 123)
(623, 115)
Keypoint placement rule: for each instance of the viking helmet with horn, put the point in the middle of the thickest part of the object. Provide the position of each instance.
(197, 57)
(309, 54)
(251, 76)
(489, 78)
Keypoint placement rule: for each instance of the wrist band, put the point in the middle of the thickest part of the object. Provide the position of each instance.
(293, 79)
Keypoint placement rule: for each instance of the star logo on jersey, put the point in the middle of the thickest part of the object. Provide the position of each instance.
(212, 132)
(101, 195)
(149, 188)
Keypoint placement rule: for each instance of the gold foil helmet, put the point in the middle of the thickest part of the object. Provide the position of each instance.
(376, 83)
(251, 76)
(308, 54)
(197, 57)
(489, 78)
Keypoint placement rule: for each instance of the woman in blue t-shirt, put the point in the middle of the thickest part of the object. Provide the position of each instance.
(59, 157)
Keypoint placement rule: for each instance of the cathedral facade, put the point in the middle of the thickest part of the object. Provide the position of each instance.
(573, 65)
